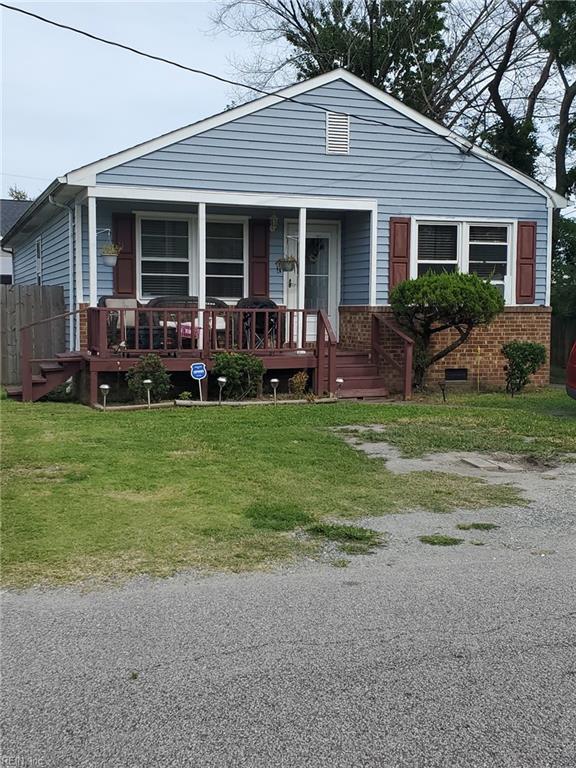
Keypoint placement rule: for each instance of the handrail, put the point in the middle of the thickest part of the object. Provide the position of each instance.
(26, 350)
(54, 317)
(324, 328)
(408, 348)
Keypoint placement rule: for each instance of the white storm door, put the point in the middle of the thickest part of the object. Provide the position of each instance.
(321, 274)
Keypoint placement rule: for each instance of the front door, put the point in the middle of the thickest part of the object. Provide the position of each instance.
(321, 274)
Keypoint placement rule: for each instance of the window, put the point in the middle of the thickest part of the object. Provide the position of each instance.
(477, 248)
(337, 133)
(225, 260)
(39, 261)
(437, 248)
(488, 253)
(165, 264)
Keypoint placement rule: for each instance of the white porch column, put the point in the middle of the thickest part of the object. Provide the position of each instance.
(78, 259)
(92, 253)
(301, 273)
(373, 255)
(201, 267)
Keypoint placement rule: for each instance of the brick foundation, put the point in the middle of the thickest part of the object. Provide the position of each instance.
(481, 354)
(83, 326)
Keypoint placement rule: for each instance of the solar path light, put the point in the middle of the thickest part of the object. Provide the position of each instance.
(148, 384)
(221, 383)
(274, 384)
(104, 389)
(339, 383)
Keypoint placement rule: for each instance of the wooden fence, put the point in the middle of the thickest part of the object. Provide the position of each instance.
(562, 338)
(23, 304)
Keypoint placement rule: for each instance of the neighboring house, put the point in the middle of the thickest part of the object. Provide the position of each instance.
(10, 212)
(320, 197)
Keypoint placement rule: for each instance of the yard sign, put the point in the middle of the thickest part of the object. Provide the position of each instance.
(198, 372)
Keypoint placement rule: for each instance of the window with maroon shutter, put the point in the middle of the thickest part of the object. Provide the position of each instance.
(526, 263)
(399, 250)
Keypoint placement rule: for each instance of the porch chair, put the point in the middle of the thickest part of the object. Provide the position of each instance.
(261, 339)
(113, 321)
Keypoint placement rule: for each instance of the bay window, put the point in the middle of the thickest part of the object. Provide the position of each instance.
(477, 248)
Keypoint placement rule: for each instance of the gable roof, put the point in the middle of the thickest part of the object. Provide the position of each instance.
(10, 212)
(86, 174)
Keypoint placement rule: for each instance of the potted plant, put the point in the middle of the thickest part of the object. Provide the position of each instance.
(286, 264)
(110, 253)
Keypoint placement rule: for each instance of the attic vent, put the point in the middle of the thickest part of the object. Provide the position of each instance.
(337, 133)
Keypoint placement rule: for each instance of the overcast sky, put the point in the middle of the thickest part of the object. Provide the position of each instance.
(67, 100)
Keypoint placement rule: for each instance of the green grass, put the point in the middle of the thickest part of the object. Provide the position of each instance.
(438, 540)
(477, 526)
(91, 494)
(352, 539)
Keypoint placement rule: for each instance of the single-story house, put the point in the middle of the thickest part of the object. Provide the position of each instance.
(309, 204)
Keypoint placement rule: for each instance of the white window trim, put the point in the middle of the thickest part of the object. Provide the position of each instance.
(192, 220)
(224, 219)
(463, 240)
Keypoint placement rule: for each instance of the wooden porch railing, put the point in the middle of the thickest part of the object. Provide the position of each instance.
(199, 333)
(195, 331)
(27, 357)
(379, 352)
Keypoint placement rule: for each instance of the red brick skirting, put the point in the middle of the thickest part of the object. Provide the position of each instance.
(481, 354)
(83, 326)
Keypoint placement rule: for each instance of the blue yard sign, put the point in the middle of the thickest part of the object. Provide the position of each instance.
(198, 372)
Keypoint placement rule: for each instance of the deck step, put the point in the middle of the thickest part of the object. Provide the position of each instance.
(361, 382)
(51, 366)
(364, 394)
(15, 393)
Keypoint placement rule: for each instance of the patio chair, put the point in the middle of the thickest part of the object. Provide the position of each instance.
(187, 333)
(114, 325)
(264, 334)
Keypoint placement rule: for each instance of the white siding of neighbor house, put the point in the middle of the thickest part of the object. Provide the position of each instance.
(281, 149)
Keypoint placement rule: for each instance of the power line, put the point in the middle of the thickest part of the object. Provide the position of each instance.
(202, 72)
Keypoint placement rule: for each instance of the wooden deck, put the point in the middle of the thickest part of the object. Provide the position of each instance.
(285, 339)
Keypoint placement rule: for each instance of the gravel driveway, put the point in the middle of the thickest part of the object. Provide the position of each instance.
(416, 656)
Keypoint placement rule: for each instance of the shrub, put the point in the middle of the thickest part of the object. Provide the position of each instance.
(185, 395)
(524, 359)
(434, 303)
(243, 374)
(297, 384)
(148, 367)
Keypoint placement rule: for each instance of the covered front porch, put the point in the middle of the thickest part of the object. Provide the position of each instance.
(187, 274)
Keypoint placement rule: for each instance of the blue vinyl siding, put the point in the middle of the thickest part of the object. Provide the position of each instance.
(55, 255)
(281, 149)
(355, 258)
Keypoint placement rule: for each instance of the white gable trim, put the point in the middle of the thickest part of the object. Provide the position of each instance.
(86, 174)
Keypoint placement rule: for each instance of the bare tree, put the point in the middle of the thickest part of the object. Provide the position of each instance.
(500, 71)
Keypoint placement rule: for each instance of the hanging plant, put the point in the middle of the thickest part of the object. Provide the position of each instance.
(286, 264)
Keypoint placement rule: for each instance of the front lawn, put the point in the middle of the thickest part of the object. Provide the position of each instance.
(91, 494)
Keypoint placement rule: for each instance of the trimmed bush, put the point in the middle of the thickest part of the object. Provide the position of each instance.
(524, 359)
(438, 302)
(149, 367)
(243, 374)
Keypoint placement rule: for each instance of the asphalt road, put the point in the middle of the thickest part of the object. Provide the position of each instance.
(416, 656)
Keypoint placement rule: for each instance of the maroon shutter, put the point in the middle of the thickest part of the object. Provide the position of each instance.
(125, 270)
(259, 257)
(399, 250)
(526, 263)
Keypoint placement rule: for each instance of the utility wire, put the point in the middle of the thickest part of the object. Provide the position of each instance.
(202, 72)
